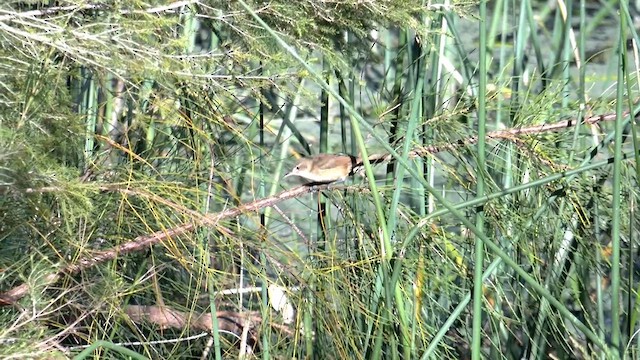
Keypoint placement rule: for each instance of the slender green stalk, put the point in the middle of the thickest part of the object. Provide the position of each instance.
(395, 122)
(476, 343)
(633, 301)
(213, 308)
(264, 295)
(617, 179)
(501, 337)
(498, 5)
(109, 90)
(307, 319)
(189, 29)
(556, 278)
(582, 96)
(517, 84)
(599, 291)
(91, 111)
(152, 131)
(409, 134)
(205, 260)
(537, 47)
(409, 137)
(323, 216)
(432, 97)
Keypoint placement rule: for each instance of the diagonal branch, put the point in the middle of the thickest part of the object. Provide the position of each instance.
(142, 242)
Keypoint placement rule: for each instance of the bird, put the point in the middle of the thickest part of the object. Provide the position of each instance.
(326, 168)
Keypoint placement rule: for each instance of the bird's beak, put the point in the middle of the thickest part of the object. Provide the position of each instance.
(289, 174)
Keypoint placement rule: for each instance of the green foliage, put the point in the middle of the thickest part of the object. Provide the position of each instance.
(131, 130)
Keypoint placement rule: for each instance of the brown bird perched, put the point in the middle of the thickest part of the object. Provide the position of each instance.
(326, 168)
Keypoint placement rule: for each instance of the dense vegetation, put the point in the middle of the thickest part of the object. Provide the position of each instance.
(143, 210)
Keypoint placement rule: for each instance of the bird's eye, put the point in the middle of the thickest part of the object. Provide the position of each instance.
(297, 167)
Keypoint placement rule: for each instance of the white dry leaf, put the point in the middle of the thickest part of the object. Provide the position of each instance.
(280, 303)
